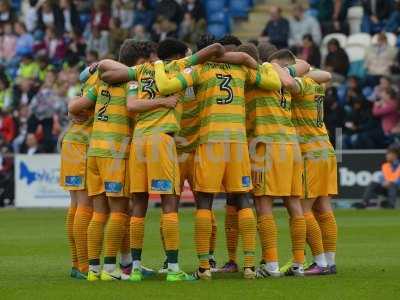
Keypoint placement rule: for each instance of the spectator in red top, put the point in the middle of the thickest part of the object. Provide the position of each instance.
(7, 127)
(100, 15)
(387, 110)
(310, 51)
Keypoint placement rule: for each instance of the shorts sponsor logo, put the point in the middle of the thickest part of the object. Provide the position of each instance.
(113, 187)
(246, 181)
(73, 181)
(161, 185)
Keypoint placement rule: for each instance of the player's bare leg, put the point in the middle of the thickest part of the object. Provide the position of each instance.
(298, 234)
(314, 240)
(96, 234)
(324, 214)
(268, 233)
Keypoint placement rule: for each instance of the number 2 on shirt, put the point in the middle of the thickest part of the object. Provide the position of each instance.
(101, 116)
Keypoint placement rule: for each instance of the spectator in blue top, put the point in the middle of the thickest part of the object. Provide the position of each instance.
(376, 13)
(277, 28)
(24, 41)
(393, 24)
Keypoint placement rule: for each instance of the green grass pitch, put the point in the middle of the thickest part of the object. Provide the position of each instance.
(34, 262)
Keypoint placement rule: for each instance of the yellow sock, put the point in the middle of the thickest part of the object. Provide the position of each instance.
(69, 224)
(114, 235)
(298, 236)
(231, 231)
(137, 236)
(247, 229)
(213, 238)
(162, 233)
(314, 237)
(268, 237)
(327, 223)
(95, 234)
(81, 222)
(170, 231)
(203, 227)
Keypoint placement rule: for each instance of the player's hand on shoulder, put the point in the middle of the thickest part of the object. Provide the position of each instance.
(170, 101)
(78, 118)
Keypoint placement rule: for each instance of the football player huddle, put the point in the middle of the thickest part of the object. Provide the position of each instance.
(231, 118)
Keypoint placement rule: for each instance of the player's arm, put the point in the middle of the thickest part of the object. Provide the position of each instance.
(137, 105)
(287, 81)
(80, 105)
(179, 82)
(237, 58)
(112, 72)
(300, 68)
(266, 77)
(87, 72)
(83, 103)
(207, 53)
(319, 76)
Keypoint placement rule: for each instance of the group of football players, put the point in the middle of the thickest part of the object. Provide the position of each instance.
(231, 118)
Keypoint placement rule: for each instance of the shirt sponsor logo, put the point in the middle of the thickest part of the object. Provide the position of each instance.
(161, 185)
(246, 181)
(113, 187)
(73, 181)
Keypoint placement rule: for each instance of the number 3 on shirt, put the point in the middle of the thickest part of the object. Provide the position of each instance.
(101, 116)
(225, 86)
(148, 87)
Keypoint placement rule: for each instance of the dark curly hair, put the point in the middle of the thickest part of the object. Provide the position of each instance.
(205, 40)
(230, 40)
(170, 47)
(131, 51)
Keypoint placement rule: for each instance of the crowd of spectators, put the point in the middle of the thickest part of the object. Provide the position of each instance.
(363, 99)
(44, 44)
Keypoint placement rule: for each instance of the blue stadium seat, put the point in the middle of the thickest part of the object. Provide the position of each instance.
(217, 29)
(16, 5)
(239, 8)
(216, 17)
(215, 5)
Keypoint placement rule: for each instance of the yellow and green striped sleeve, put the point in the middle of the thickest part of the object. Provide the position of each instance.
(268, 78)
(166, 85)
(91, 94)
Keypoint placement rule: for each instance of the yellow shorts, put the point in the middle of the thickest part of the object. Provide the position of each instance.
(276, 170)
(73, 166)
(186, 168)
(222, 164)
(109, 175)
(320, 177)
(154, 161)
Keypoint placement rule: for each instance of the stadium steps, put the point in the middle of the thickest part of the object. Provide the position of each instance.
(258, 17)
